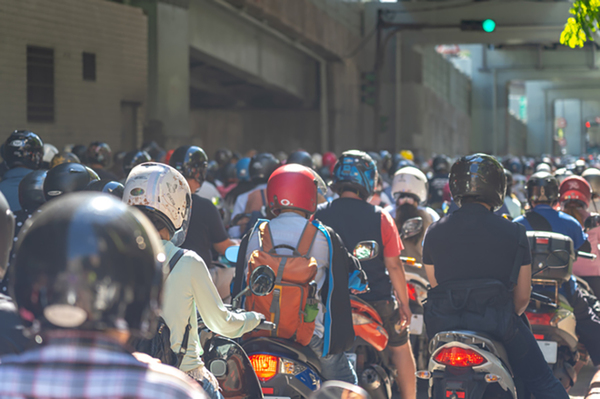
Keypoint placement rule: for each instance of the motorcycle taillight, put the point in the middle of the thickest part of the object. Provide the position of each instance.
(540, 319)
(412, 292)
(459, 357)
(264, 365)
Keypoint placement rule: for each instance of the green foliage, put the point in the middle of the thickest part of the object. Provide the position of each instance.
(579, 28)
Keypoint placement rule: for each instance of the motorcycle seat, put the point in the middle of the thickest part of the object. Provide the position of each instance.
(286, 348)
(473, 338)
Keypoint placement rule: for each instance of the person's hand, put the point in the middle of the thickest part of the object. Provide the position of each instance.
(145, 358)
(357, 292)
(405, 314)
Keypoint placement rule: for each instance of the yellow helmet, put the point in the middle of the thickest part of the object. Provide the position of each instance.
(407, 154)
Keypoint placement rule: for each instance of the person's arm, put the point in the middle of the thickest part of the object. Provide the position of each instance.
(430, 270)
(398, 279)
(214, 314)
(522, 291)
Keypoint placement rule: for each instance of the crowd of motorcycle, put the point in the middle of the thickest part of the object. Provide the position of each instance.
(235, 339)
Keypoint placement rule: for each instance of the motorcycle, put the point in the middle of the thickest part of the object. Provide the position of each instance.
(470, 365)
(551, 318)
(226, 359)
(286, 369)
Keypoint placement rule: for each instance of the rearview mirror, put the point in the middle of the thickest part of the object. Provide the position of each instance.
(412, 227)
(366, 250)
(231, 253)
(262, 281)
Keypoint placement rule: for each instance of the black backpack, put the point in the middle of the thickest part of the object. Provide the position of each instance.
(159, 346)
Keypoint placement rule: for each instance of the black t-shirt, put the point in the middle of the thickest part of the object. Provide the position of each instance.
(436, 188)
(12, 339)
(474, 243)
(206, 228)
(105, 174)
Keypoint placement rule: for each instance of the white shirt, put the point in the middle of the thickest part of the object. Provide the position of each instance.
(240, 207)
(286, 229)
(209, 191)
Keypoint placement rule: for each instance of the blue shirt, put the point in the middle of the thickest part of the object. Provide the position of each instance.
(560, 222)
(9, 186)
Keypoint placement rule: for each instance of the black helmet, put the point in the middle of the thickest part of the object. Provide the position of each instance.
(79, 150)
(98, 153)
(302, 158)
(67, 178)
(229, 173)
(262, 166)
(66, 157)
(478, 176)
(23, 148)
(7, 232)
(509, 181)
(191, 162)
(212, 171)
(133, 159)
(440, 164)
(106, 186)
(355, 170)
(31, 191)
(386, 161)
(542, 187)
(89, 261)
(223, 156)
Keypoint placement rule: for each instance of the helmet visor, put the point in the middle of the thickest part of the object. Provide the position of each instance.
(321, 186)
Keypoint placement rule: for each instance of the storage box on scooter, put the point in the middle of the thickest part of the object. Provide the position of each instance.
(552, 255)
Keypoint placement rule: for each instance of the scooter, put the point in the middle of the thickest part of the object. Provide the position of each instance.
(286, 369)
(226, 359)
(551, 318)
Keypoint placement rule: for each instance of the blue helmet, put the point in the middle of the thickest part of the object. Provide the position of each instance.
(242, 169)
(355, 170)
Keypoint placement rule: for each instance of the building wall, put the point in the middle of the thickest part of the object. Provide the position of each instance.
(84, 110)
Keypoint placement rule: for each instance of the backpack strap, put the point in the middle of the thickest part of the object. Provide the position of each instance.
(307, 239)
(186, 335)
(538, 222)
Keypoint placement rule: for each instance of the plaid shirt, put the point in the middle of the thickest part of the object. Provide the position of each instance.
(76, 364)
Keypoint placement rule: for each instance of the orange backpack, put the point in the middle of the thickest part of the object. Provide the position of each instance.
(286, 305)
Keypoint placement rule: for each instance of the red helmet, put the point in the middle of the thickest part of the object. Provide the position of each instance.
(329, 159)
(576, 188)
(295, 187)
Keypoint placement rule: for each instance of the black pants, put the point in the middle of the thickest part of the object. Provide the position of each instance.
(588, 322)
(594, 283)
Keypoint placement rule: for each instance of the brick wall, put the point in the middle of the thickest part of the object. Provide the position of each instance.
(84, 110)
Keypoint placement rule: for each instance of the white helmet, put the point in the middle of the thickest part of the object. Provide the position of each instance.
(162, 192)
(410, 180)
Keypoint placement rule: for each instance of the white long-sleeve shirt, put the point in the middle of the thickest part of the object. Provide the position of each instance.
(189, 286)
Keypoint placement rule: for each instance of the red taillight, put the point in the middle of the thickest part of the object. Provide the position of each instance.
(264, 365)
(268, 391)
(459, 394)
(540, 319)
(543, 241)
(412, 292)
(539, 337)
(459, 357)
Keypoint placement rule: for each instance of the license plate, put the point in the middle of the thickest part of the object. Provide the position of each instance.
(549, 350)
(416, 324)
(352, 358)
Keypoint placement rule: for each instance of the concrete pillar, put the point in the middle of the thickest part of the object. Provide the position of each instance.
(168, 112)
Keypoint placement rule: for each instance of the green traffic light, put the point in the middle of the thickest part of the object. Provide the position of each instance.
(489, 25)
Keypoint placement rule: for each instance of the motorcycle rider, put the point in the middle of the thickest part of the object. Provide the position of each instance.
(474, 243)
(292, 195)
(260, 169)
(206, 230)
(163, 194)
(132, 159)
(543, 193)
(88, 272)
(592, 176)
(98, 156)
(410, 188)
(355, 220)
(67, 178)
(22, 153)
(439, 178)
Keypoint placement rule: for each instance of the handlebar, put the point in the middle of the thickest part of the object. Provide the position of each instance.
(586, 255)
(540, 297)
(266, 325)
